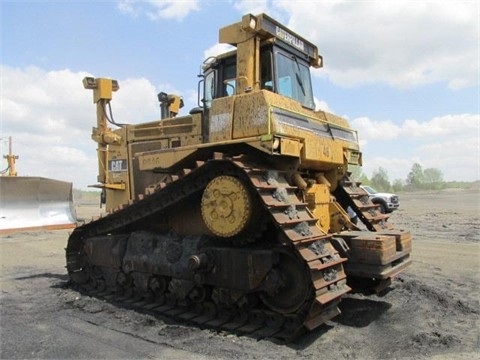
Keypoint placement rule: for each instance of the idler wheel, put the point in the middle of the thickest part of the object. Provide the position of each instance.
(287, 286)
(226, 206)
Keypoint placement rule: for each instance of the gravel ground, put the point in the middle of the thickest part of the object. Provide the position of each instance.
(431, 313)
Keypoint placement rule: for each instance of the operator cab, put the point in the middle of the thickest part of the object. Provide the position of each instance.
(283, 70)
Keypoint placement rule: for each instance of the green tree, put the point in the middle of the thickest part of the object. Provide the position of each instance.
(415, 178)
(380, 179)
(398, 185)
(356, 172)
(364, 180)
(433, 178)
(358, 175)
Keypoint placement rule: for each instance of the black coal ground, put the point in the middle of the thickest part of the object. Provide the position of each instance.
(432, 311)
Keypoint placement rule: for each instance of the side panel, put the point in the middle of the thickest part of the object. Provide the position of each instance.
(220, 127)
(319, 144)
(251, 116)
(140, 180)
(124, 178)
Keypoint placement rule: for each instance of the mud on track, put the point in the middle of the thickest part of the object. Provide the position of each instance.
(432, 312)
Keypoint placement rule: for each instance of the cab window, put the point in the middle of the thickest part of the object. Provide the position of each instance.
(229, 79)
(209, 93)
(293, 79)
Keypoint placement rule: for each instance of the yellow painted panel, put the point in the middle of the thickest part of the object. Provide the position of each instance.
(318, 199)
(103, 90)
(290, 147)
(163, 159)
(220, 122)
(251, 115)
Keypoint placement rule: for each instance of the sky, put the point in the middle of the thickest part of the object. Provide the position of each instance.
(404, 73)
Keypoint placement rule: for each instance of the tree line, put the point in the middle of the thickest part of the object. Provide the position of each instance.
(417, 179)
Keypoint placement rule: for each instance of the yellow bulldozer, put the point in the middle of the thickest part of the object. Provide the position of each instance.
(235, 216)
(32, 202)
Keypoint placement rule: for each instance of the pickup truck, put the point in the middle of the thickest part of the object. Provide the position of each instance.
(387, 202)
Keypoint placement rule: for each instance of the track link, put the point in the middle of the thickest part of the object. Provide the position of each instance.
(371, 270)
(297, 235)
(299, 227)
(349, 193)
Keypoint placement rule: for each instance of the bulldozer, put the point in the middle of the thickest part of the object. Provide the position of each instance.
(33, 203)
(235, 216)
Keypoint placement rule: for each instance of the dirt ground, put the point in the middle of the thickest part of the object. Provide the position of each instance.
(432, 313)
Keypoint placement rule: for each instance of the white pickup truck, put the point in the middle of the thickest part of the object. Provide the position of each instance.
(388, 202)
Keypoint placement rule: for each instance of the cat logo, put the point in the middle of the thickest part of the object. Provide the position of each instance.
(117, 165)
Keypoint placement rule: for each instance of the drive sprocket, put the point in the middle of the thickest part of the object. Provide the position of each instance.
(226, 206)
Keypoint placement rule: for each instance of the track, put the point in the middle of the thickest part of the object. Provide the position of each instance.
(367, 274)
(351, 194)
(302, 288)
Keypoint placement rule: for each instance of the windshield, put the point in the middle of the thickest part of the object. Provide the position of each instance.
(294, 79)
(369, 189)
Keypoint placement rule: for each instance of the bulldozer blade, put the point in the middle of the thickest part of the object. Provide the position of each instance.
(31, 203)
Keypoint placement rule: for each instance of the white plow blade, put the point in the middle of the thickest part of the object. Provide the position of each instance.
(28, 203)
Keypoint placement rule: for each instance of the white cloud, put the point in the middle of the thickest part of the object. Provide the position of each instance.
(374, 130)
(172, 9)
(401, 43)
(159, 9)
(217, 49)
(450, 143)
(448, 125)
(136, 101)
(49, 116)
(127, 7)
(322, 105)
(51, 129)
(33, 99)
(251, 6)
